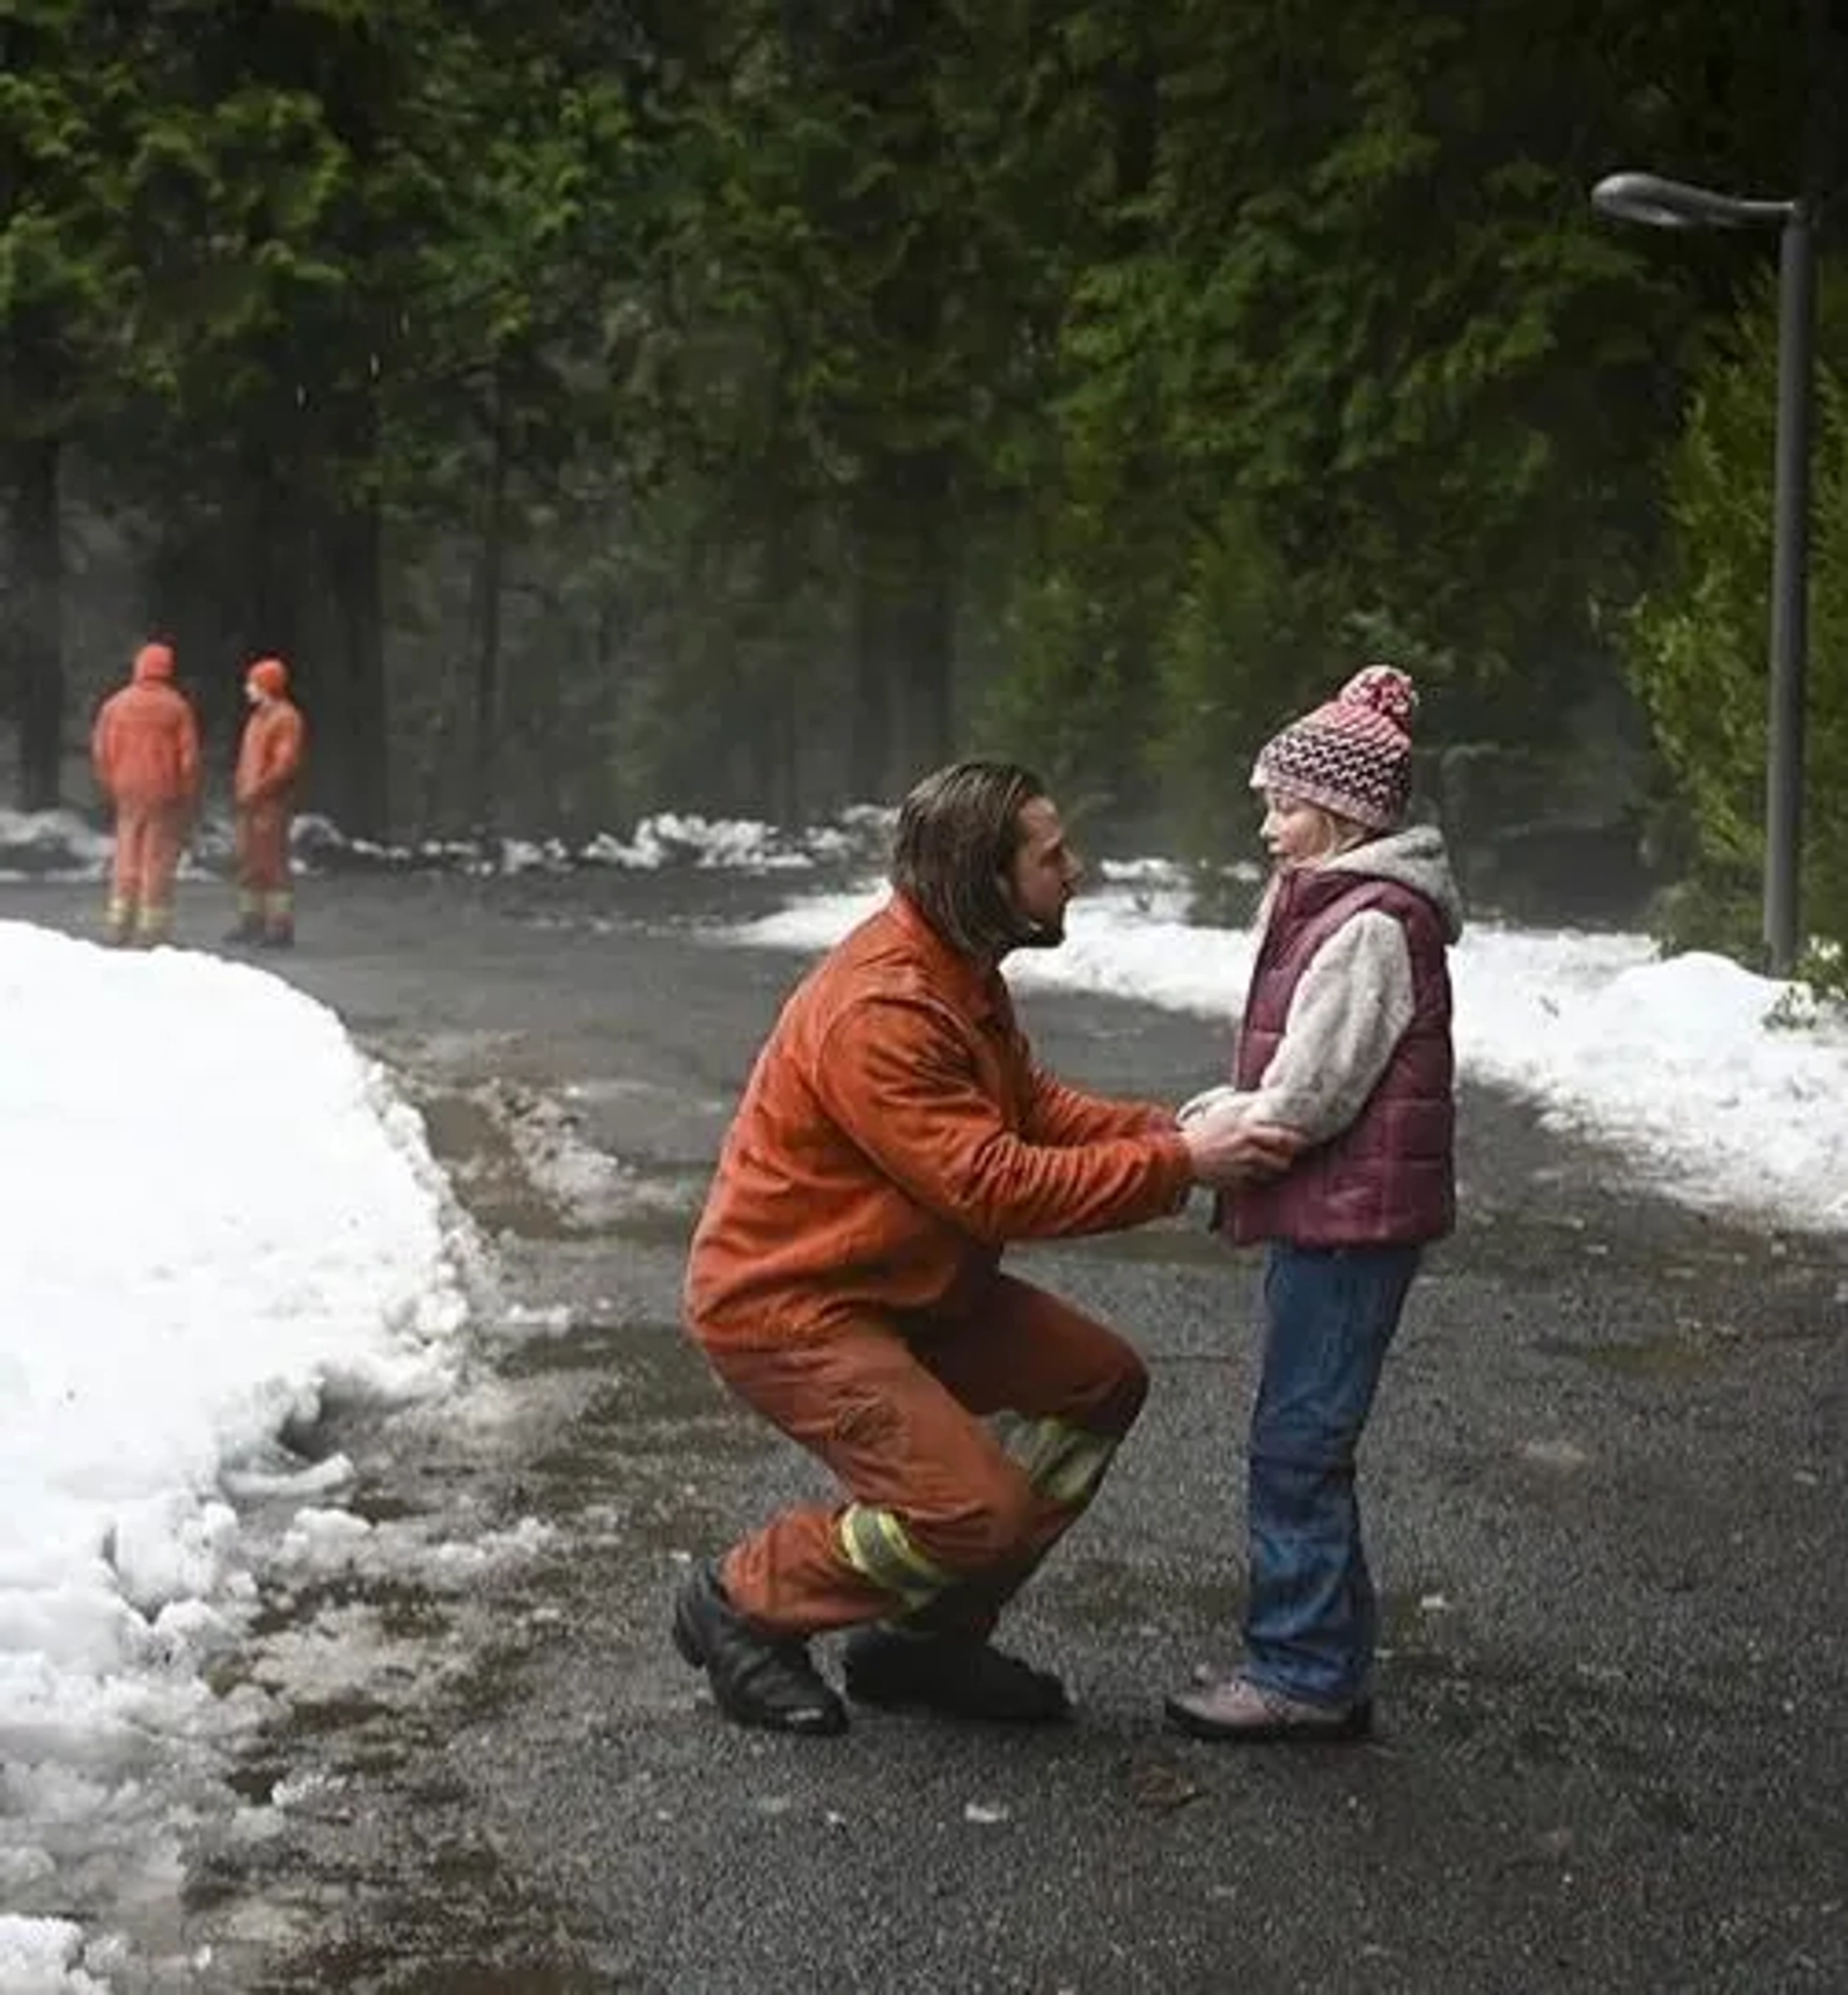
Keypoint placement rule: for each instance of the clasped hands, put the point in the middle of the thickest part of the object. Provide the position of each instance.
(1226, 1148)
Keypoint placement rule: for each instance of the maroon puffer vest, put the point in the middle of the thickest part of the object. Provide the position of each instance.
(1390, 1177)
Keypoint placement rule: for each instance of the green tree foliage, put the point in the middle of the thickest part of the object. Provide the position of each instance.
(1359, 290)
(1699, 643)
(72, 113)
(749, 404)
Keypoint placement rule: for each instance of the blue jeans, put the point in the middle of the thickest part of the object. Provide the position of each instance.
(1312, 1617)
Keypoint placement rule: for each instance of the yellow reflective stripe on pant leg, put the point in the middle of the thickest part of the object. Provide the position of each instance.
(279, 905)
(1063, 1462)
(877, 1547)
(154, 922)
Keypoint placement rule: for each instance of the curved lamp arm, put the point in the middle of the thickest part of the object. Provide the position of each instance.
(1676, 204)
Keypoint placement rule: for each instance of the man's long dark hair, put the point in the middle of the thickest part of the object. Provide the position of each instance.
(958, 833)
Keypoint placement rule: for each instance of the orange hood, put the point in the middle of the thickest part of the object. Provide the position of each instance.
(270, 677)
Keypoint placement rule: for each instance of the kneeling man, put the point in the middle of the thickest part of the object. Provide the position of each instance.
(845, 1282)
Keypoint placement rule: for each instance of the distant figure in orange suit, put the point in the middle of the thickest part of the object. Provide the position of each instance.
(145, 752)
(270, 758)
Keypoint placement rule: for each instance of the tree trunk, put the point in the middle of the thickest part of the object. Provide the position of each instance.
(1135, 95)
(36, 621)
(781, 751)
(361, 778)
(1825, 68)
(272, 608)
(931, 621)
(903, 718)
(606, 796)
(483, 803)
(869, 714)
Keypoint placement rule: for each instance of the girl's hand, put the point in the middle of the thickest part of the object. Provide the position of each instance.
(1205, 1103)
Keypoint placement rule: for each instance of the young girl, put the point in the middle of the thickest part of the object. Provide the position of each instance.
(1346, 1038)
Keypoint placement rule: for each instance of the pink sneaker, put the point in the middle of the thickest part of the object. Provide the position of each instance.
(1235, 1709)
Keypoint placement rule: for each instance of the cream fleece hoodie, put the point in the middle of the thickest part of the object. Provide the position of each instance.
(1354, 1001)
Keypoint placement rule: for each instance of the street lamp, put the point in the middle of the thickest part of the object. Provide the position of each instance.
(1674, 204)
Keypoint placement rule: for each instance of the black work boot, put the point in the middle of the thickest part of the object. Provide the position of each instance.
(277, 934)
(249, 928)
(959, 1675)
(756, 1678)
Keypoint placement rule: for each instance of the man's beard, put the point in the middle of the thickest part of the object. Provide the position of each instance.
(1031, 934)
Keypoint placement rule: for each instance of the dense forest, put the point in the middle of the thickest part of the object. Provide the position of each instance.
(747, 404)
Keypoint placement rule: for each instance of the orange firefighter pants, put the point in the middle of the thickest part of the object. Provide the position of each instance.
(967, 1446)
(262, 848)
(149, 837)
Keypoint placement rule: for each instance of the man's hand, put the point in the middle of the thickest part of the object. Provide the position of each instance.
(1227, 1151)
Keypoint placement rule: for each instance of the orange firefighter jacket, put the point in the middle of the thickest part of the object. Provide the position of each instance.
(895, 1135)
(145, 744)
(269, 754)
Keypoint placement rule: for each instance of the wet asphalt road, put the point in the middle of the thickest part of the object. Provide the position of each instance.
(1604, 1484)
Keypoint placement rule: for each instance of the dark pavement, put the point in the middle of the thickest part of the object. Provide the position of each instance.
(1605, 1486)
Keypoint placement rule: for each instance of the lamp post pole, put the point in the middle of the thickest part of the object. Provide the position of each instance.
(1648, 198)
(1789, 597)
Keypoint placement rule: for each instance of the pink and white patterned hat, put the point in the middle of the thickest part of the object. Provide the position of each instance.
(1353, 755)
